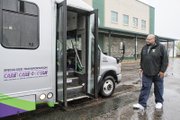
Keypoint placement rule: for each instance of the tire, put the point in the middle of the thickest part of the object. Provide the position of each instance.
(107, 86)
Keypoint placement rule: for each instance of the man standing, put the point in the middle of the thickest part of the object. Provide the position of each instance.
(154, 62)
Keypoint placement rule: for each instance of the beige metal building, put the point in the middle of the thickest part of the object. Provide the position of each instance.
(131, 15)
(126, 21)
(123, 20)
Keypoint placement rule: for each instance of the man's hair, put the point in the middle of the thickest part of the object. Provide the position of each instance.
(155, 36)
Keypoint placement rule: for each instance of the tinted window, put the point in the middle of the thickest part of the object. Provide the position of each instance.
(11, 29)
(29, 31)
(30, 9)
(19, 26)
(10, 5)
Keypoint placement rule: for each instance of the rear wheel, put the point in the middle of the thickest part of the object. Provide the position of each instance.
(107, 86)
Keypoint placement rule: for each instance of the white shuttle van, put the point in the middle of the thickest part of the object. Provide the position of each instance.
(49, 54)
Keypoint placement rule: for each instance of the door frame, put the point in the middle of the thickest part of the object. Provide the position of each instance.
(63, 20)
(96, 56)
(64, 37)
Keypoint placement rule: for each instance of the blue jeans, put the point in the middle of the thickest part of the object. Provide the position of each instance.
(146, 88)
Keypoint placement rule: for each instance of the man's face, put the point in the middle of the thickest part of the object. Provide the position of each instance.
(150, 40)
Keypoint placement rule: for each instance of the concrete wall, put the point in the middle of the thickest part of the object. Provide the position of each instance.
(114, 45)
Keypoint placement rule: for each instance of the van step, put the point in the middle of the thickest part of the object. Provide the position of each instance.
(72, 92)
(73, 88)
(77, 98)
(69, 80)
(68, 73)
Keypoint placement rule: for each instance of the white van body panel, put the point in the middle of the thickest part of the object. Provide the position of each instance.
(108, 63)
(21, 61)
(77, 4)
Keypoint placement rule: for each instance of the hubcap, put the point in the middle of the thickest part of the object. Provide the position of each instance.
(108, 87)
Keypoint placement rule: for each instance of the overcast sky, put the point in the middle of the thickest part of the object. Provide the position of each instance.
(167, 17)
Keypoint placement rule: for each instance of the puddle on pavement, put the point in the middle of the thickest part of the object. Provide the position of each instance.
(128, 113)
(125, 88)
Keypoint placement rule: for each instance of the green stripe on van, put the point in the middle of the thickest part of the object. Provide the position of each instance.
(17, 103)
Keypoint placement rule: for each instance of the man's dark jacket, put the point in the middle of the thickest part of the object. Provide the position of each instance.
(155, 60)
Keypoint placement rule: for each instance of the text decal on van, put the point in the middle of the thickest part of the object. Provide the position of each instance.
(25, 73)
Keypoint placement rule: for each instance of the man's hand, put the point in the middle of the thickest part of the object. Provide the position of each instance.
(161, 74)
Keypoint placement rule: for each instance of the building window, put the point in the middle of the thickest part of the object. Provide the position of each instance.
(20, 24)
(135, 22)
(143, 24)
(114, 17)
(125, 19)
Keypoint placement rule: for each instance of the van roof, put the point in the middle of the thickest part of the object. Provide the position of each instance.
(77, 4)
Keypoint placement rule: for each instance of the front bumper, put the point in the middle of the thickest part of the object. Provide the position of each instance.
(119, 77)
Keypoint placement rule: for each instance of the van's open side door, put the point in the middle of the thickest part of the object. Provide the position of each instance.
(93, 56)
(65, 91)
(61, 50)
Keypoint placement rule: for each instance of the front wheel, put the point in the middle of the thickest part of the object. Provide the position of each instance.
(107, 86)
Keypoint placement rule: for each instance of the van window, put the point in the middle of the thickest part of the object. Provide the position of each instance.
(20, 24)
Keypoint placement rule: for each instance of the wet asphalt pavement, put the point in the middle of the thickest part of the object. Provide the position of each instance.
(171, 107)
(119, 106)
